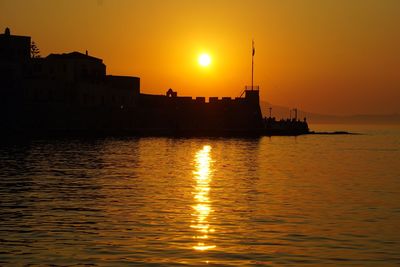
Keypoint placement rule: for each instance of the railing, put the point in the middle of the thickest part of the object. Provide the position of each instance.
(252, 88)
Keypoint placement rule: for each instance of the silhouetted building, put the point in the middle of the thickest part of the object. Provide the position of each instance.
(74, 67)
(14, 48)
(14, 56)
(71, 93)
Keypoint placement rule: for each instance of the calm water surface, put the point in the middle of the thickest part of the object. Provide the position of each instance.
(280, 201)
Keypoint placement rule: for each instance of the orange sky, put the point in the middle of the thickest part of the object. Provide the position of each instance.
(334, 57)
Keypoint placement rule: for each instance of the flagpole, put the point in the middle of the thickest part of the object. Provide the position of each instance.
(252, 65)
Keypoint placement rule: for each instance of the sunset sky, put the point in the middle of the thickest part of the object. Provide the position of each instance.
(332, 57)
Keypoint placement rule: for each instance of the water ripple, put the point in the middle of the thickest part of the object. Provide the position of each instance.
(200, 202)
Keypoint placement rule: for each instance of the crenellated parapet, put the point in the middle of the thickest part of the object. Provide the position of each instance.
(249, 97)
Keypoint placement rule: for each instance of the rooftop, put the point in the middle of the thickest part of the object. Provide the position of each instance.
(74, 55)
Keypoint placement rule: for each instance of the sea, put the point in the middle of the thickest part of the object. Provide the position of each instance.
(311, 200)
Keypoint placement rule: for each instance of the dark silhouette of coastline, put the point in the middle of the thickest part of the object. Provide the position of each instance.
(319, 118)
(334, 133)
(71, 94)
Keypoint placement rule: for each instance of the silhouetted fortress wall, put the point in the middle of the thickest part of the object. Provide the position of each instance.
(71, 93)
(195, 115)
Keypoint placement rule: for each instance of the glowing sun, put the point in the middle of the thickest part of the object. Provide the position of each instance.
(204, 60)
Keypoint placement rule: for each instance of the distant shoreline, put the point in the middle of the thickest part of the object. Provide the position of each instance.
(334, 133)
(317, 118)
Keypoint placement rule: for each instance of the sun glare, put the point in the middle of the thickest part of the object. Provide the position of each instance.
(204, 60)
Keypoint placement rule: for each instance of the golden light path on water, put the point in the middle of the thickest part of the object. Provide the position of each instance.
(202, 207)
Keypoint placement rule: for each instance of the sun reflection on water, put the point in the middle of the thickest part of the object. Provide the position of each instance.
(202, 207)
